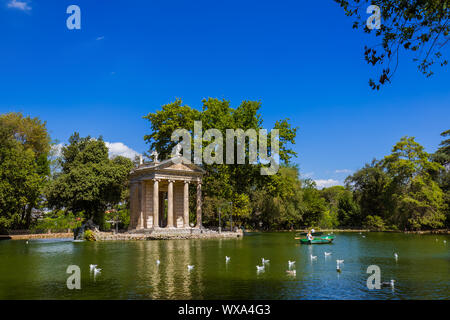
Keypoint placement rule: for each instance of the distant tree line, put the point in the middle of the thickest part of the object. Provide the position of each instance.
(39, 187)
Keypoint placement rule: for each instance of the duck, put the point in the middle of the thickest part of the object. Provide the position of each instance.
(190, 267)
(260, 268)
(395, 255)
(92, 267)
(291, 263)
(97, 271)
(158, 262)
(264, 261)
(313, 257)
(327, 253)
(227, 259)
(339, 261)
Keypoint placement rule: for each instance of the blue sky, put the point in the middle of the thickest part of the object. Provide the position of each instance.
(301, 59)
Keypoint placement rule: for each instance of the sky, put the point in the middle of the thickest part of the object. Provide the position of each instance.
(301, 59)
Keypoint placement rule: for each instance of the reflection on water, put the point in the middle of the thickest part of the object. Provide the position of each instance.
(37, 270)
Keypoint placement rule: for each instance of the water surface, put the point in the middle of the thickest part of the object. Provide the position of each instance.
(37, 270)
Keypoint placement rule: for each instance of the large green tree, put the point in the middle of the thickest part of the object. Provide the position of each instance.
(420, 27)
(89, 182)
(401, 189)
(223, 182)
(442, 156)
(24, 168)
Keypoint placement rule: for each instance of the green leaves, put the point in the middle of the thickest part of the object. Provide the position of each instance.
(90, 181)
(24, 168)
(419, 26)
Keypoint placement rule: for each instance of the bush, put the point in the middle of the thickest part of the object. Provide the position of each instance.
(89, 235)
(374, 223)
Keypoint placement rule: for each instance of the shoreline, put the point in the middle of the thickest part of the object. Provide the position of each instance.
(108, 236)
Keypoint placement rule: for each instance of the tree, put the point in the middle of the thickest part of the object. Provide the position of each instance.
(89, 182)
(24, 168)
(223, 182)
(442, 156)
(418, 26)
(370, 191)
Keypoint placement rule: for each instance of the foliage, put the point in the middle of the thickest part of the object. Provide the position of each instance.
(375, 223)
(89, 182)
(235, 182)
(400, 189)
(24, 168)
(89, 235)
(58, 220)
(417, 26)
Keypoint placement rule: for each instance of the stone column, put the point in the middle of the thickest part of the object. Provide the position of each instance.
(143, 214)
(170, 222)
(186, 204)
(199, 204)
(155, 203)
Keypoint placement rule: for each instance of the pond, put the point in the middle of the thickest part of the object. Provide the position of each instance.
(37, 269)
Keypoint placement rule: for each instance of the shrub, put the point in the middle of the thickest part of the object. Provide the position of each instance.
(374, 223)
(89, 235)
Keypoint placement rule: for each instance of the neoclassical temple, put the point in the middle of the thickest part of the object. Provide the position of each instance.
(154, 184)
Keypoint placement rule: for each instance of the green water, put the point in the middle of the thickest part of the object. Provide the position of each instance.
(37, 270)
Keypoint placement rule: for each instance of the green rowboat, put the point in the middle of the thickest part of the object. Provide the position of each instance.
(318, 240)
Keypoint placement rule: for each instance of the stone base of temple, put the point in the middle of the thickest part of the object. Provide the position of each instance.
(167, 234)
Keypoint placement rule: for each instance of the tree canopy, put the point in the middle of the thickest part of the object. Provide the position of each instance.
(89, 182)
(420, 27)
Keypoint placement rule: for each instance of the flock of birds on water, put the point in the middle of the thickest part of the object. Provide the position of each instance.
(261, 268)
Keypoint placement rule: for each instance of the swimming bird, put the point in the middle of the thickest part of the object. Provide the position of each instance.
(158, 262)
(97, 271)
(388, 283)
(363, 236)
(190, 267)
(264, 261)
(92, 267)
(338, 268)
(445, 241)
(227, 259)
(339, 261)
(260, 268)
(291, 263)
(27, 241)
(396, 256)
(327, 253)
(291, 272)
(313, 257)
